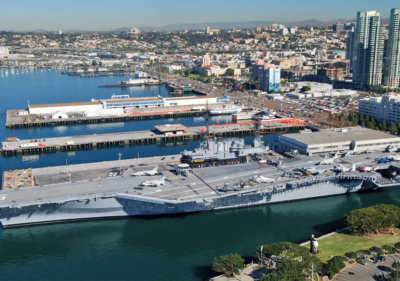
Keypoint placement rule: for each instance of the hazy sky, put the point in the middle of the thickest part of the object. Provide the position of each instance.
(109, 14)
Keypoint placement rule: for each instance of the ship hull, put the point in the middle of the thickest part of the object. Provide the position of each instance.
(122, 205)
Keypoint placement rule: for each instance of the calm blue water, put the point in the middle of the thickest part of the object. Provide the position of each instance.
(163, 248)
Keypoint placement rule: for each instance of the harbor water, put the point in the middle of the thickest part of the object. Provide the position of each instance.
(178, 247)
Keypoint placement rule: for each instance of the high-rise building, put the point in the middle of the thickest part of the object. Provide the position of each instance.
(338, 27)
(350, 47)
(206, 60)
(207, 30)
(269, 77)
(135, 30)
(368, 49)
(283, 31)
(392, 68)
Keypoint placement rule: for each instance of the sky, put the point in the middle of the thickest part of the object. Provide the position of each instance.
(103, 15)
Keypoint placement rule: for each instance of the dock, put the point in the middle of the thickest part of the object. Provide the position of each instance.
(14, 120)
(84, 142)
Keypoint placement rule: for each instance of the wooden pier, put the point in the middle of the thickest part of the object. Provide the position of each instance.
(84, 142)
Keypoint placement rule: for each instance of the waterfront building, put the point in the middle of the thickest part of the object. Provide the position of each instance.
(333, 140)
(386, 107)
(368, 49)
(392, 69)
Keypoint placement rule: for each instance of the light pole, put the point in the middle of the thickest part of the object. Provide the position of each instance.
(261, 255)
(119, 159)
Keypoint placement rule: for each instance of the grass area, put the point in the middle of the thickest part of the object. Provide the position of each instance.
(192, 76)
(341, 243)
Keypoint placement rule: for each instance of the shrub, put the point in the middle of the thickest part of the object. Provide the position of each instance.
(334, 265)
(351, 255)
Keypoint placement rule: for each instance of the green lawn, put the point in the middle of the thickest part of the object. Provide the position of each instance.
(341, 243)
(192, 76)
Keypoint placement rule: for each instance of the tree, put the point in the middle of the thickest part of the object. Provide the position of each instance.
(392, 128)
(333, 266)
(305, 89)
(229, 72)
(229, 264)
(395, 274)
(384, 124)
(187, 72)
(373, 219)
(94, 63)
(375, 249)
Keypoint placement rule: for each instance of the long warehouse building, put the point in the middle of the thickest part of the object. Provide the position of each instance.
(332, 140)
(117, 104)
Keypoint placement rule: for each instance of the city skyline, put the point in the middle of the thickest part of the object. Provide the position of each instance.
(104, 15)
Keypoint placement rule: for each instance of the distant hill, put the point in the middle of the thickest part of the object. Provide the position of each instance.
(224, 25)
(248, 24)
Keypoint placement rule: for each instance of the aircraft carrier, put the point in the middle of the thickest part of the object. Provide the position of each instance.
(85, 192)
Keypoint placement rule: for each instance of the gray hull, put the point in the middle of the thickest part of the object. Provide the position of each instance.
(120, 205)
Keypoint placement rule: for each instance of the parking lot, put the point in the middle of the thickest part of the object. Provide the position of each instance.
(369, 271)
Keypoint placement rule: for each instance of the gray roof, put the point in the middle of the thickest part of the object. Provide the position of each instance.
(331, 136)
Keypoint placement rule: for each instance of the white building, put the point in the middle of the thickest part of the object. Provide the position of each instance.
(283, 31)
(172, 67)
(135, 30)
(385, 107)
(206, 60)
(334, 140)
(4, 51)
(118, 104)
(274, 97)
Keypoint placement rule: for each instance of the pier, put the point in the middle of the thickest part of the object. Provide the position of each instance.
(71, 143)
(14, 120)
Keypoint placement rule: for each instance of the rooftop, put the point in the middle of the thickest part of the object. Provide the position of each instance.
(171, 128)
(339, 135)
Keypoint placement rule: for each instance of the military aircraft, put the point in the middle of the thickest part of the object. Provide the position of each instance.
(262, 179)
(342, 168)
(154, 182)
(369, 168)
(328, 161)
(318, 170)
(146, 173)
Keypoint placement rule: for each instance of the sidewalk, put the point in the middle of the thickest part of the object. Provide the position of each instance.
(246, 275)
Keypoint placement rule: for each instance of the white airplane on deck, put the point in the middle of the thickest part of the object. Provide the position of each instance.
(154, 182)
(319, 170)
(262, 179)
(146, 173)
(342, 168)
(328, 161)
(369, 168)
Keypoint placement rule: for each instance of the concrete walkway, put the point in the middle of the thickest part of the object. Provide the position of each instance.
(249, 273)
